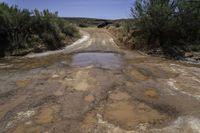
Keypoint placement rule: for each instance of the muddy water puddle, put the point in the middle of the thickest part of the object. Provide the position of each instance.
(95, 59)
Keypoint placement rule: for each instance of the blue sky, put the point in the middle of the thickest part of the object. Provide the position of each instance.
(107, 9)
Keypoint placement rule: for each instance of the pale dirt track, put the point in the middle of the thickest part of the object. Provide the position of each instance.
(92, 86)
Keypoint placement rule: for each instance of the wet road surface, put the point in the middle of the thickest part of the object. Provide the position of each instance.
(92, 86)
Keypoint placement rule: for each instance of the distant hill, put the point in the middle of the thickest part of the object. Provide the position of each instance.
(86, 22)
(94, 22)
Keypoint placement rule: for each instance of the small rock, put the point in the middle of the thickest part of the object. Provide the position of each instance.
(58, 93)
(28, 123)
(188, 54)
(197, 58)
(55, 76)
(151, 93)
(89, 98)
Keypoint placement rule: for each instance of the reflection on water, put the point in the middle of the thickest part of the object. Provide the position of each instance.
(102, 60)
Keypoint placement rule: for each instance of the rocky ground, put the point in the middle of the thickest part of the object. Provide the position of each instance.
(93, 86)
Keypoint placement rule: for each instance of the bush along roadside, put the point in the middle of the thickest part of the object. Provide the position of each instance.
(170, 28)
(23, 31)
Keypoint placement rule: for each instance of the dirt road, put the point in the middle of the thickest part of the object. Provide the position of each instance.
(92, 86)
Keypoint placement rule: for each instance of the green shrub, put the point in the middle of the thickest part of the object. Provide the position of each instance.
(22, 29)
(117, 25)
(166, 23)
(70, 30)
(83, 25)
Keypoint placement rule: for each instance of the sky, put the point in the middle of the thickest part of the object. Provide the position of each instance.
(106, 9)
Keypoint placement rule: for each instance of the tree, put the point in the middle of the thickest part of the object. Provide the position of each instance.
(167, 23)
(14, 28)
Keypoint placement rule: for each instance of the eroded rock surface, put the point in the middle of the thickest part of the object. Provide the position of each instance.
(93, 86)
